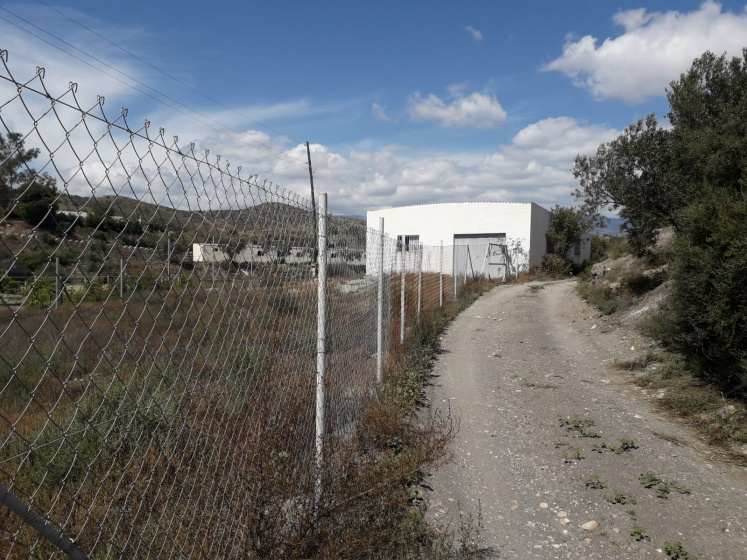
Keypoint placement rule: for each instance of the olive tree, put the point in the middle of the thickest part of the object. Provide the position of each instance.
(632, 175)
(567, 226)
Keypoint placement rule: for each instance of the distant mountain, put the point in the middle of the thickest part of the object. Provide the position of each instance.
(613, 227)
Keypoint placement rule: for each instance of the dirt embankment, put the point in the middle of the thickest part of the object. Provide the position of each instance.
(529, 370)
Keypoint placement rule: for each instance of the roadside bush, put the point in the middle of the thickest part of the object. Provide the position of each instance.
(556, 265)
(707, 305)
(35, 260)
(639, 283)
(7, 284)
(599, 247)
(601, 297)
(41, 293)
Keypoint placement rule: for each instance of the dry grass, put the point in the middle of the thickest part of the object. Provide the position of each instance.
(184, 425)
(718, 420)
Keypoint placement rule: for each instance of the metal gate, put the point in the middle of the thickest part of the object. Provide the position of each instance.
(480, 254)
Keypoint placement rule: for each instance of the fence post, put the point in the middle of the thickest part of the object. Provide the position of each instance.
(402, 296)
(321, 338)
(441, 276)
(121, 279)
(453, 268)
(420, 278)
(168, 257)
(57, 281)
(39, 524)
(380, 309)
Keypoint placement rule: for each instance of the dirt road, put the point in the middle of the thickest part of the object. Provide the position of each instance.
(512, 365)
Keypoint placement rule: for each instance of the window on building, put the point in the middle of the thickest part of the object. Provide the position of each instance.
(408, 242)
(577, 248)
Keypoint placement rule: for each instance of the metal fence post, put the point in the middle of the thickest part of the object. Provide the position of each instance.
(321, 327)
(454, 269)
(57, 281)
(380, 308)
(420, 278)
(45, 529)
(402, 296)
(168, 257)
(441, 276)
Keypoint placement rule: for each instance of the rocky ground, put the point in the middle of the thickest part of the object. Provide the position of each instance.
(529, 371)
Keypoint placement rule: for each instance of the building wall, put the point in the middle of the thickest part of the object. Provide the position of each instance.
(538, 244)
(524, 226)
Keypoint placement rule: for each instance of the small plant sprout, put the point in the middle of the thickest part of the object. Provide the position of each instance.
(594, 482)
(678, 487)
(649, 479)
(639, 533)
(676, 551)
(620, 497)
(633, 515)
(663, 488)
(573, 455)
(624, 444)
(580, 425)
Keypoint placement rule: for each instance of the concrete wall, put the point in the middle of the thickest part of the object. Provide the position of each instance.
(524, 226)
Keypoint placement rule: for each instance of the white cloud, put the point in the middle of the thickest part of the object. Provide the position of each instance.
(535, 166)
(380, 113)
(655, 48)
(477, 110)
(476, 34)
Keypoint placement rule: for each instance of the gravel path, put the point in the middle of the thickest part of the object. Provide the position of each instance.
(515, 362)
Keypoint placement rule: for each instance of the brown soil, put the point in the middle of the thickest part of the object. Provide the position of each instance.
(515, 363)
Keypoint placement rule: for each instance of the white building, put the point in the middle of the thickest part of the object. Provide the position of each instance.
(493, 239)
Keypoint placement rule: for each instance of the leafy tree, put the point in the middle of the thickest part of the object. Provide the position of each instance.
(632, 174)
(37, 202)
(693, 177)
(14, 169)
(30, 195)
(567, 225)
(708, 113)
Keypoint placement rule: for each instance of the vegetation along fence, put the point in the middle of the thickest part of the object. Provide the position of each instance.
(184, 350)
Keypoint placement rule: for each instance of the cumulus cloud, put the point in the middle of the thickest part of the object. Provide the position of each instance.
(654, 49)
(477, 110)
(535, 166)
(476, 34)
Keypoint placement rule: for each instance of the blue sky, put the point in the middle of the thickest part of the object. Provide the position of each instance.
(403, 102)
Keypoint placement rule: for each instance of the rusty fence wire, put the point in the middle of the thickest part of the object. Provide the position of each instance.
(159, 342)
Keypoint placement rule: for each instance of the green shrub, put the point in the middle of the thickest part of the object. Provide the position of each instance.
(556, 265)
(601, 297)
(35, 260)
(639, 283)
(8, 285)
(707, 306)
(41, 293)
(676, 551)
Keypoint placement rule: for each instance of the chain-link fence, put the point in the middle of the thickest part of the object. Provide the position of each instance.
(166, 387)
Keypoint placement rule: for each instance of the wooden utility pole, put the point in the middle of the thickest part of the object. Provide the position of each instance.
(313, 208)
